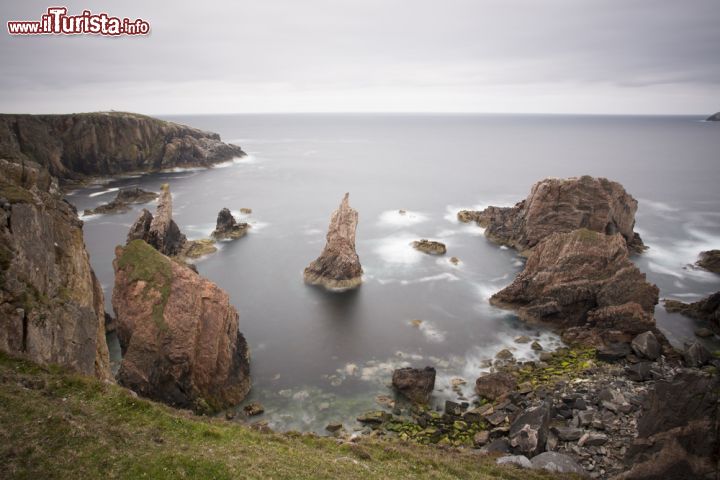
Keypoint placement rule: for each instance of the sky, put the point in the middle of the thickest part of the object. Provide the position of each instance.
(491, 56)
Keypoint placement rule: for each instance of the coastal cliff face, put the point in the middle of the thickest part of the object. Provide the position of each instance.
(107, 143)
(561, 205)
(178, 331)
(338, 266)
(583, 279)
(51, 304)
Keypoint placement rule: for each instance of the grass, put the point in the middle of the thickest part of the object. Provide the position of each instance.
(59, 425)
(144, 263)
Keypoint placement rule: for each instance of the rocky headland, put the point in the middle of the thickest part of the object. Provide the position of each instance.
(713, 118)
(338, 266)
(123, 200)
(178, 332)
(560, 206)
(75, 146)
(51, 304)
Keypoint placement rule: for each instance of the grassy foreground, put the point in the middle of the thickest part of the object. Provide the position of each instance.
(55, 424)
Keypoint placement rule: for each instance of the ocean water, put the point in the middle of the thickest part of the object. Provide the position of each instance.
(319, 356)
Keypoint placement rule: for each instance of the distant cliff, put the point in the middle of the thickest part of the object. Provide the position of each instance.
(51, 304)
(107, 143)
(713, 118)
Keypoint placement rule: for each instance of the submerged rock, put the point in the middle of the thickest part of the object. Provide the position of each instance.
(430, 246)
(227, 227)
(159, 230)
(414, 383)
(710, 261)
(123, 200)
(178, 331)
(338, 266)
(558, 206)
(583, 279)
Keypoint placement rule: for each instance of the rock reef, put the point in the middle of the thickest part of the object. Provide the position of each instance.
(430, 246)
(338, 266)
(107, 143)
(583, 279)
(178, 331)
(227, 227)
(122, 201)
(710, 261)
(706, 309)
(51, 304)
(559, 206)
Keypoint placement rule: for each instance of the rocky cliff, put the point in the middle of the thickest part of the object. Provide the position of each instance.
(338, 266)
(107, 143)
(561, 205)
(51, 304)
(713, 118)
(583, 279)
(178, 331)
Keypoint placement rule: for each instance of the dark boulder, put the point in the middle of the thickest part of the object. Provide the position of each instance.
(696, 355)
(529, 431)
(646, 345)
(414, 383)
(495, 385)
(556, 463)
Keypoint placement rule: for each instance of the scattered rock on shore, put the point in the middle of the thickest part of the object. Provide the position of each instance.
(338, 266)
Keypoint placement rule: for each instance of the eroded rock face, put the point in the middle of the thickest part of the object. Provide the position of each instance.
(416, 384)
(558, 206)
(107, 143)
(51, 304)
(710, 260)
(124, 198)
(583, 279)
(178, 331)
(159, 230)
(678, 430)
(227, 227)
(338, 266)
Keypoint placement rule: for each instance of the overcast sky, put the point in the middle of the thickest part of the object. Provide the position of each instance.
(580, 56)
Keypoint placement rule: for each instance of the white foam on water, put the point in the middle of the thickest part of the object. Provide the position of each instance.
(312, 231)
(398, 249)
(430, 331)
(395, 219)
(184, 169)
(104, 192)
(656, 206)
(247, 159)
(197, 231)
(432, 278)
(91, 217)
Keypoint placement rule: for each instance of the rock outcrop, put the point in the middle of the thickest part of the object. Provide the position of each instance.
(159, 230)
(559, 206)
(338, 266)
(583, 279)
(678, 430)
(414, 383)
(178, 331)
(430, 246)
(710, 261)
(122, 201)
(713, 118)
(51, 304)
(706, 309)
(227, 228)
(107, 143)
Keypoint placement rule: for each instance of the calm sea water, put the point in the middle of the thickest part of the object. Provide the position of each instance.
(318, 356)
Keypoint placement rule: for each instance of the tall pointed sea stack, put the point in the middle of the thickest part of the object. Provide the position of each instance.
(160, 231)
(338, 266)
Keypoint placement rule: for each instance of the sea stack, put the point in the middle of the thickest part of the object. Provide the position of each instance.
(227, 227)
(338, 266)
(160, 230)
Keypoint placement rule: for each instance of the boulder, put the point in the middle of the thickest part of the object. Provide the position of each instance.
(528, 432)
(646, 345)
(124, 198)
(430, 246)
(639, 372)
(710, 260)
(414, 383)
(583, 279)
(178, 331)
(696, 355)
(227, 227)
(159, 230)
(561, 206)
(517, 460)
(556, 463)
(338, 266)
(677, 430)
(495, 385)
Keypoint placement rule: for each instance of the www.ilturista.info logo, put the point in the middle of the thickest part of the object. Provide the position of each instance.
(57, 22)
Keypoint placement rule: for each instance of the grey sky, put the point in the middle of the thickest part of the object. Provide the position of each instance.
(610, 56)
